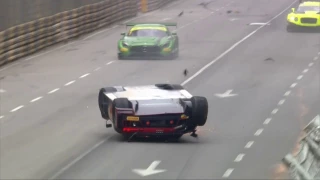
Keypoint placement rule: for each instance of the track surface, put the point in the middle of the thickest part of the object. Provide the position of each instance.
(61, 135)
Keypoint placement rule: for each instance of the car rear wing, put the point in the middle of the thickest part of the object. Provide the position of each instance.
(162, 23)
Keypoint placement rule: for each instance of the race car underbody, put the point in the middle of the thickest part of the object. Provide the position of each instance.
(154, 118)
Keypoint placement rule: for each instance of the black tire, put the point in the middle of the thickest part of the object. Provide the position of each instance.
(170, 86)
(120, 57)
(119, 103)
(199, 111)
(103, 101)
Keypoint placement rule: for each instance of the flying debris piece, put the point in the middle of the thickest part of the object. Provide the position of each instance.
(180, 14)
(185, 72)
(269, 59)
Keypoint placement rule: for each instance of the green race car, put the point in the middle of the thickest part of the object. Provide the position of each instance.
(306, 15)
(149, 40)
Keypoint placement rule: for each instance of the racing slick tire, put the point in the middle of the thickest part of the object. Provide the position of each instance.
(120, 57)
(118, 103)
(104, 102)
(199, 110)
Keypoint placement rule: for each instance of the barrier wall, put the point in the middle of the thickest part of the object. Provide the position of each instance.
(15, 12)
(38, 33)
(305, 165)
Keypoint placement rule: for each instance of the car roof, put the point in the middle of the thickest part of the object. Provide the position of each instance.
(149, 92)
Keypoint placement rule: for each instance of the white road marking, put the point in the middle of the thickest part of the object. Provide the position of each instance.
(315, 58)
(85, 75)
(258, 24)
(249, 144)
(69, 83)
(78, 159)
(36, 99)
(300, 77)
(150, 170)
(17, 108)
(281, 102)
(310, 64)
(57, 89)
(96, 69)
(287, 93)
(305, 71)
(258, 132)
(267, 121)
(1, 117)
(239, 158)
(226, 94)
(233, 19)
(274, 111)
(109, 63)
(293, 85)
(2, 91)
(227, 173)
(233, 46)
(165, 19)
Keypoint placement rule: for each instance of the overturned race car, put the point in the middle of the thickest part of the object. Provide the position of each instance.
(160, 110)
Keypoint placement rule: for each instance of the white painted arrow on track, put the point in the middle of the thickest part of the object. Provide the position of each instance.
(226, 94)
(150, 170)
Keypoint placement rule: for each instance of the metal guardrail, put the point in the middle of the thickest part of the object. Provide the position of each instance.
(30, 37)
(306, 164)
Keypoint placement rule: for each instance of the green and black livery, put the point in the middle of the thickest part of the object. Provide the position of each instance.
(148, 40)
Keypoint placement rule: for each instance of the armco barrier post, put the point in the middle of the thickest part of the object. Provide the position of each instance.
(144, 6)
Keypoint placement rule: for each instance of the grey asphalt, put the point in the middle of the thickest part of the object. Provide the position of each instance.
(281, 136)
(49, 136)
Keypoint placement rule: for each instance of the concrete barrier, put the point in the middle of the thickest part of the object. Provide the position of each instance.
(306, 164)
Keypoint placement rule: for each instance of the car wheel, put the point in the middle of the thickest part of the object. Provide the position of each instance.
(120, 57)
(103, 101)
(199, 110)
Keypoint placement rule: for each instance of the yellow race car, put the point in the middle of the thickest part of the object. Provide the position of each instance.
(306, 15)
